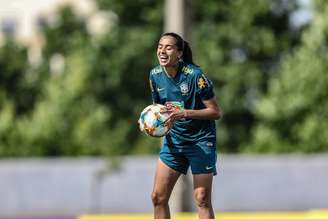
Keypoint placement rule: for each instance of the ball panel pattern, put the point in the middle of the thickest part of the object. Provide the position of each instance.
(152, 121)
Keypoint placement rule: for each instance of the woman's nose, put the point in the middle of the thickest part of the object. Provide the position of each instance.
(162, 50)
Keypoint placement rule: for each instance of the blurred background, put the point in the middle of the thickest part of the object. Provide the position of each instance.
(74, 78)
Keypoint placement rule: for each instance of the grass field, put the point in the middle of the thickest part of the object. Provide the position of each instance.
(314, 214)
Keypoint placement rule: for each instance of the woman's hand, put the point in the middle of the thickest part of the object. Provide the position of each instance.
(174, 114)
(211, 112)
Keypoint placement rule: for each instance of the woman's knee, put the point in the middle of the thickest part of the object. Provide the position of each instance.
(202, 198)
(159, 199)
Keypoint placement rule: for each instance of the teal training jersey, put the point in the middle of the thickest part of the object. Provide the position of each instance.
(187, 89)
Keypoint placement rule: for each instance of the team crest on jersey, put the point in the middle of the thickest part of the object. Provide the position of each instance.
(202, 82)
(184, 88)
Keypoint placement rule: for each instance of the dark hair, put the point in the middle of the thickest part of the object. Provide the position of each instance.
(182, 46)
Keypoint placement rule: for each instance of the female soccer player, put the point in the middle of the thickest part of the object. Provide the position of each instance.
(188, 95)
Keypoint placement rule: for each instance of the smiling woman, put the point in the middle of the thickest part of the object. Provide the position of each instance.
(166, 52)
(187, 94)
(171, 50)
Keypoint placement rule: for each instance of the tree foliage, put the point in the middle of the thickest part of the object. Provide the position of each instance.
(18, 91)
(294, 112)
(16, 85)
(86, 95)
(91, 106)
(239, 44)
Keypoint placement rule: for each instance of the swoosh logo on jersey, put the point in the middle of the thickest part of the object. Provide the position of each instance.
(160, 89)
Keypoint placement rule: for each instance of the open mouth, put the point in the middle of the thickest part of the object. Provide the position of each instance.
(163, 58)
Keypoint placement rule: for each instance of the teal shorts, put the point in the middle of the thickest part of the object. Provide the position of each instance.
(201, 157)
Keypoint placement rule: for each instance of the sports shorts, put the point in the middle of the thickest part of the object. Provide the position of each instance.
(201, 157)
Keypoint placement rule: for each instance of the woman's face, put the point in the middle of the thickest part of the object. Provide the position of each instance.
(167, 51)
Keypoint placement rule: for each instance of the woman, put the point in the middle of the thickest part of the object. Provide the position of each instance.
(188, 95)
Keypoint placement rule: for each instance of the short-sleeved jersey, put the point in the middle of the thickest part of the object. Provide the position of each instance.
(188, 89)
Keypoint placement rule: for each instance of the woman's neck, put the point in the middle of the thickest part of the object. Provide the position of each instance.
(171, 71)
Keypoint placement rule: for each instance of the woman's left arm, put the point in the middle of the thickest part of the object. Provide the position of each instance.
(212, 111)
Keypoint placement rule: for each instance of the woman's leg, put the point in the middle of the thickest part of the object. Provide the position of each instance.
(203, 195)
(165, 179)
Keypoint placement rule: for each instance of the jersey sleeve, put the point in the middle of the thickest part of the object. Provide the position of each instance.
(154, 93)
(204, 87)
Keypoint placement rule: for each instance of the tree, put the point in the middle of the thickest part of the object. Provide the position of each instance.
(16, 82)
(92, 106)
(101, 84)
(293, 115)
(239, 45)
(67, 120)
(18, 90)
(121, 64)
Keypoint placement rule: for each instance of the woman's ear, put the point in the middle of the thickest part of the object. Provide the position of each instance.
(180, 56)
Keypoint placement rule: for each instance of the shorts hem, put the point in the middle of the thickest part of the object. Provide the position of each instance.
(167, 164)
(197, 173)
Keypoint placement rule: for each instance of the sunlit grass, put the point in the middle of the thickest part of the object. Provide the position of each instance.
(313, 214)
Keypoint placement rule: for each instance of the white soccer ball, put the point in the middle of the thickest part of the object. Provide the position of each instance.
(152, 121)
